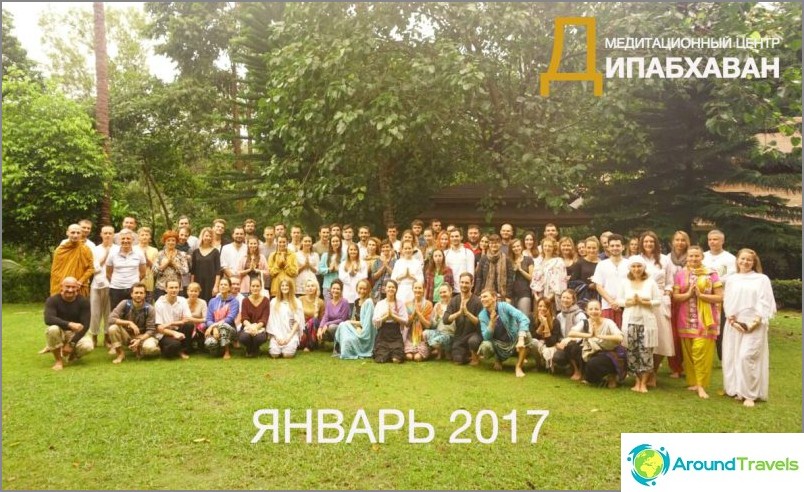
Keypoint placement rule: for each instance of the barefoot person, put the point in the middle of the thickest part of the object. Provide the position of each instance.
(133, 325)
(698, 291)
(67, 316)
(506, 331)
(601, 354)
(463, 310)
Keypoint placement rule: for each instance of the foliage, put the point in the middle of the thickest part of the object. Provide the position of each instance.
(53, 166)
(14, 55)
(787, 293)
(26, 277)
(213, 402)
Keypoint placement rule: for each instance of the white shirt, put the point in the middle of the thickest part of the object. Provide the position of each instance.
(350, 281)
(126, 268)
(231, 258)
(608, 276)
(724, 263)
(459, 260)
(193, 242)
(165, 312)
(99, 281)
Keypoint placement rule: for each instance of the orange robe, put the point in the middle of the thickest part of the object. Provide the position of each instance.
(72, 260)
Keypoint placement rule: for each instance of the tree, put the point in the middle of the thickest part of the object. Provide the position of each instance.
(102, 101)
(53, 164)
(14, 55)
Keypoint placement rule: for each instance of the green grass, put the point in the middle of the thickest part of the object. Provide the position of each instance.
(188, 424)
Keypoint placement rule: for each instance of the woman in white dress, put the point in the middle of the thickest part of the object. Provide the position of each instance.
(307, 262)
(640, 295)
(749, 304)
(407, 271)
(286, 322)
(352, 271)
(659, 268)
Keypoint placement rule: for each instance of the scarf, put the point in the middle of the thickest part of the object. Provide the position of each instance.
(497, 270)
(678, 261)
(704, 283)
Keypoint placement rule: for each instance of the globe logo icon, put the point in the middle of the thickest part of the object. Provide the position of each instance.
(647, 463)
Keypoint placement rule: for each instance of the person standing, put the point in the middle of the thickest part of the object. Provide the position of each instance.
(749, 305)
(609, 273)
(495, 270)
(124, 268)
(458, 257)
(205, 266)
(99, 290)
(232, 256)
(698, 291)
(282, 265)
(72, 259)
(725, 264)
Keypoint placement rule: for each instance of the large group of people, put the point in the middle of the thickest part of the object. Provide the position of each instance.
(601, 309)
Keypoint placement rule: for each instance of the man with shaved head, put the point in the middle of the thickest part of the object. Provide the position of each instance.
(67, 316)
(72, 259)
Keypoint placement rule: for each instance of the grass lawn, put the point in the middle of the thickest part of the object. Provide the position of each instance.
(157, 424)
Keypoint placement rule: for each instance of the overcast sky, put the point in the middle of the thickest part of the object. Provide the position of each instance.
(26, 29)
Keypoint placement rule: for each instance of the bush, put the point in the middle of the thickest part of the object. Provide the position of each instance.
(26, 275)
(787, 293)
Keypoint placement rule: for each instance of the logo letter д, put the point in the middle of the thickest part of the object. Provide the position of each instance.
(591, 73)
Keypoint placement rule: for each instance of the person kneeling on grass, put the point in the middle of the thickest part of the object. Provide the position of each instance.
(221, 314)
(285, 322)
(67, 316)
(601, 356)
(132, 325)
(506, 330)
(174, 324)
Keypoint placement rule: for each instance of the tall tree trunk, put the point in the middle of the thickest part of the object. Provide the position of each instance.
(102, 103)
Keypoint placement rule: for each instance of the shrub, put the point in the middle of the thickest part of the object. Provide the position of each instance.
(787, 293)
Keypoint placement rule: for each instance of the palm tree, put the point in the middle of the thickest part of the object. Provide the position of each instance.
(102, 101)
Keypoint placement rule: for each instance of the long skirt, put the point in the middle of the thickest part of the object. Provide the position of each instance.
(745, 363)
(389, 343)
(420, 347)
(699, 354)
(309, 338)
(640, 357)
(664, 328)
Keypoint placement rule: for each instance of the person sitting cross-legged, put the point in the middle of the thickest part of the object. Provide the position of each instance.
(506, 331)
(132, 325)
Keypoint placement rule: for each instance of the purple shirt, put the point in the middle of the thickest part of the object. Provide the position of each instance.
(335, 314)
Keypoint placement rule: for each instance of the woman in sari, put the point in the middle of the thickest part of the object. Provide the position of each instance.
(285, 322)
(355, 337)
(313, 308)
(749, 305)
(698, 292)
(419, 312)
(390, 317)
(254, 311)
(678, 260)
(222, 312)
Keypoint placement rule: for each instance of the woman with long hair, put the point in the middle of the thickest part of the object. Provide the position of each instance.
(659, 268)
(566, 250)
(569, 317)
(484, 248)
(549, 274)
(307, 262)
(205, 266)
(372, 253)
(580, 275)
(407, 271)
(253, 266)
(390, 317)
(285, 322)
(546, 332)
(442, 240)
(198, 315)
(678, 260)
(352, 271)
(222, 312)
(313, 308)
(601, 353)
(698, 292)
(436, 274)
(439, 336)
(521, 295)
(336, 311)
(749, 305)
(330, 263)
(529, 245)
(254, 311)
(640, 295)
(419, 312)
(355, 336)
